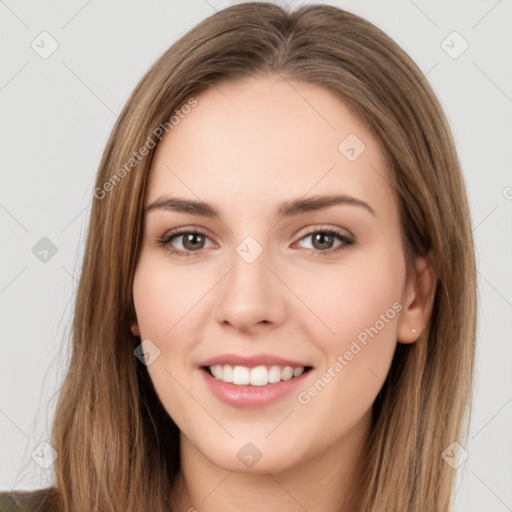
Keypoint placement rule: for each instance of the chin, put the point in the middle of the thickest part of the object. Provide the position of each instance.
(275, 464)
(258, 457)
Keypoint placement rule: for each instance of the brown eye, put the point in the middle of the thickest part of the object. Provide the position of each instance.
(192, 241)
(323, 240)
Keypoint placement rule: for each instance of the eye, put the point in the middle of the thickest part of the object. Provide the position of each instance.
(324, 238)
(193, 240)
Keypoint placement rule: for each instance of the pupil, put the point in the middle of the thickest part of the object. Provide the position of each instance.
(322, 238)
(190, 239)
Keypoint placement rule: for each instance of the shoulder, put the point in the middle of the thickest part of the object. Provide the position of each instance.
(40, 500)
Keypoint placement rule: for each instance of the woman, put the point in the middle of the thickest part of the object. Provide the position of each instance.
(263, 373)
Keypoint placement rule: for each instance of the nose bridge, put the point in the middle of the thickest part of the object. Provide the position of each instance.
(249, 275)
(248, 295)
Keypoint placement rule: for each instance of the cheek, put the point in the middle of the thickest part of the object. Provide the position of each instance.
(351, 298)
(360, 304)
(162, 297)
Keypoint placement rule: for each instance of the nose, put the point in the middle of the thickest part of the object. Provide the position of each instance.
(250, 296)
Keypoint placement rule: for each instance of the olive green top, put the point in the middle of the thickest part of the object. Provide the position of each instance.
(41, 500)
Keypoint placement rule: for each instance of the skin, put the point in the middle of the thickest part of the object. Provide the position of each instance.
(246, 147)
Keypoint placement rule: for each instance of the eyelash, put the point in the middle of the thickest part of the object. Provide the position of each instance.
(165, 241)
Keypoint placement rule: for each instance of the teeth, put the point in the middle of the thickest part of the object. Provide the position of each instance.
(298, 371)
(241, 375)
(227, 373)
(274, 375)
(217, 371)
(257, 376)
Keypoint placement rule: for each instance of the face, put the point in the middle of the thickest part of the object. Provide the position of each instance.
(320, 290)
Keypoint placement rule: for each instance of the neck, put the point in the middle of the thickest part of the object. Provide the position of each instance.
(320, 483)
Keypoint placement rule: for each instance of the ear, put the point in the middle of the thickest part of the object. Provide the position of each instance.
(417, 300)
(135, 329)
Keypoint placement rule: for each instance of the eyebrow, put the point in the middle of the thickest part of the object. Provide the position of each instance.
(286, 208)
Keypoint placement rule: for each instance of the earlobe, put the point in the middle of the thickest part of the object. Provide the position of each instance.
(135, 329)
(417, 301)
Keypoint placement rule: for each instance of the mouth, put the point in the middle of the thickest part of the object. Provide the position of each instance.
(244, 387)
(253, 380)
(257, 376)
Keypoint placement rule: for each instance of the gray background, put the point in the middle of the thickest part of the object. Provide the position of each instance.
(57, 113)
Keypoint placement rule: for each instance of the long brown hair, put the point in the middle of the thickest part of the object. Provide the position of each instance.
(118, 448)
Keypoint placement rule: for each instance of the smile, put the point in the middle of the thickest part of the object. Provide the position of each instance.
(255, 387)
(257, 376)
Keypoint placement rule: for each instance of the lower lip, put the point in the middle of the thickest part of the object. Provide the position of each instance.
(246, 397)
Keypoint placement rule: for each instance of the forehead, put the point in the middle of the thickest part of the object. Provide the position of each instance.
(266, 139)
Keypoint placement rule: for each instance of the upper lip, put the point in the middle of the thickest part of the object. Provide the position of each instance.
(252, 361)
